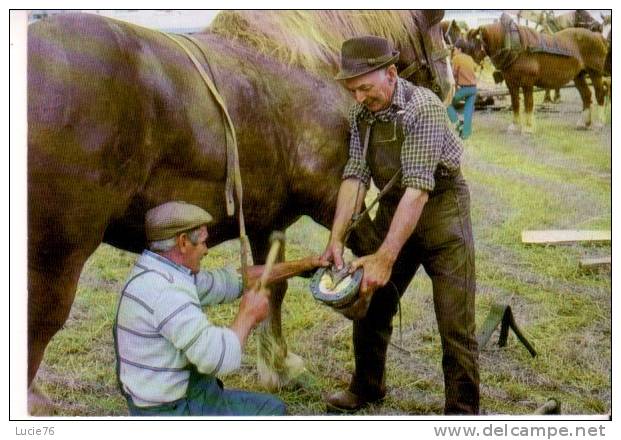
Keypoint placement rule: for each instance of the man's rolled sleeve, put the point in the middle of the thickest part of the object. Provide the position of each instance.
(422, 147)
(358, 170)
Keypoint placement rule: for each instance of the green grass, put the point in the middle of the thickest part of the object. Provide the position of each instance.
(557, 178)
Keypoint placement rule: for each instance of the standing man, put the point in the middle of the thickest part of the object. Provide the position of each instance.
(168, 353)
(466, 81)
(424, 220)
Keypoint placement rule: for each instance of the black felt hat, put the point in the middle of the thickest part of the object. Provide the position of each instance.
(361, 55)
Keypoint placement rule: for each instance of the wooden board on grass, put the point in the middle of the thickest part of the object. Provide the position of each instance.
(564, 236)
(595, 262)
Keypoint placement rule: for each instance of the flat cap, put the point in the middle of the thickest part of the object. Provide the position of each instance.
(167, 220)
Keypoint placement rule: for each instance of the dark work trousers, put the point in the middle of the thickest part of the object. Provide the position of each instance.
(443, 244)
(206, 396)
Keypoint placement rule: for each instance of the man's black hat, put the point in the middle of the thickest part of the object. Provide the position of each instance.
(361, 55)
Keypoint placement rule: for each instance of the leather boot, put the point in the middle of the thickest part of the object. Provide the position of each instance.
(346, 401)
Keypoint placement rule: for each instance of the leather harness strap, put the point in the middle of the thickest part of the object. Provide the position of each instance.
(233, 172)
(411, 69)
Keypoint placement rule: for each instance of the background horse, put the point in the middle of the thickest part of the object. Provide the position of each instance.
(120, 120)
(546, 21)
(544, 61)
(453, 31)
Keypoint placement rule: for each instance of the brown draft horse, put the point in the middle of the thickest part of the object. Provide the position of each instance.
(119, 121)
(583, 51)
(312, 39)
(547, 22)
(453, 31)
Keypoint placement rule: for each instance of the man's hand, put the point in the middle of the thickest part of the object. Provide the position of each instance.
(253, 308)
(255, 305)
(377, 270)
(333, 254)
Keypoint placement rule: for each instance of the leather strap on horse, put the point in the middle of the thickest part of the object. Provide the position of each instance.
(512, 44)
(233, 172)
(411, 69)
(419, 61)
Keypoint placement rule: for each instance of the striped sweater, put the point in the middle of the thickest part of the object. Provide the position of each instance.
(160, 329)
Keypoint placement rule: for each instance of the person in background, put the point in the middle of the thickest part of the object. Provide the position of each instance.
(466, 82)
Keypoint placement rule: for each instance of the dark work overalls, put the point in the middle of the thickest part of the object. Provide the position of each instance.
(442, 243)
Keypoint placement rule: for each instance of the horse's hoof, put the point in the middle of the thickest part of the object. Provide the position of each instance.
(583, 127)
(294, 364)
(277, 379)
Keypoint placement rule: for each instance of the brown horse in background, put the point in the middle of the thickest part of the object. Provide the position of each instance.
(547, 22)
(576, 53)
(453, 31)
(120, 120)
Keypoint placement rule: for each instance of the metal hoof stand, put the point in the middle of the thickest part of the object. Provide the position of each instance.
(502, 314)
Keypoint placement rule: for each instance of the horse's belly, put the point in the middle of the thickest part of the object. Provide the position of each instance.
(555, 71)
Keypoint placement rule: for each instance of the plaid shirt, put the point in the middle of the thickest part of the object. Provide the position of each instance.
(429, 141)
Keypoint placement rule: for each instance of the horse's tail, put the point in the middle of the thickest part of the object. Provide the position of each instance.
(607, 66)
(593, 49)
(608, 60)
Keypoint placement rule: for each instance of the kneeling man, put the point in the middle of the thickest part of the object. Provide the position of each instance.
(168, 352)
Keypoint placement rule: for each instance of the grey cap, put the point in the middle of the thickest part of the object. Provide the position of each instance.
(167, 220)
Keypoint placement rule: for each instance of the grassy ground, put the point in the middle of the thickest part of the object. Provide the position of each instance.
(557, 178)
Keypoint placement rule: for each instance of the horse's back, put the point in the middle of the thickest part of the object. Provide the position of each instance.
(87, 100)
(106, 107)
(590, 45)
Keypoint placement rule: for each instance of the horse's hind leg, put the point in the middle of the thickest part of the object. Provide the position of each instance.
(51, 291)
(547, 98)
(600, 96)
(529, 126)
(585, 94)
(557, 96)
(277, 367)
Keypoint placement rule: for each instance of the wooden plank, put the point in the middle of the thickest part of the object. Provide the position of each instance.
(595, 262)
(564, 236)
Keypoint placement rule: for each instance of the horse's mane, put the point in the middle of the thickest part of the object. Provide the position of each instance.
(311, 39)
